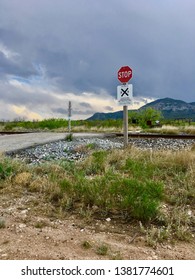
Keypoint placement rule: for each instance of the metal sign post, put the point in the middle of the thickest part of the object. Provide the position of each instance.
(124, 96)
(125, 125)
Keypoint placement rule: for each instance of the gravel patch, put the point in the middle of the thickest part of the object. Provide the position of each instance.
(162, 144)
(73, 150)
(79, 148)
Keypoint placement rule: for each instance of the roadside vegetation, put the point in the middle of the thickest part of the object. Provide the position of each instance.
(152, 190)
(61, 125)
(148, 120)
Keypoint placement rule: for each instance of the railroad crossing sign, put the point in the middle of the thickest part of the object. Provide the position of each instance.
(124, 74)
(125, 94)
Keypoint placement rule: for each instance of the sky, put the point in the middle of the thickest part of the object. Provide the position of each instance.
(53, 52)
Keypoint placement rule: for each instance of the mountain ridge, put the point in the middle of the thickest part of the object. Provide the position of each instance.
(169, 107)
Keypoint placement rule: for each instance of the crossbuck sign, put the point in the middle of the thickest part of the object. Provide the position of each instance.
(125, 94)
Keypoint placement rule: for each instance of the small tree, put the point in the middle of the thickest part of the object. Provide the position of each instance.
(142, 116)
(134, 117)
(149, 114)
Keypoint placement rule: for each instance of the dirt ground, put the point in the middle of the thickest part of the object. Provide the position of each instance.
(29, 232)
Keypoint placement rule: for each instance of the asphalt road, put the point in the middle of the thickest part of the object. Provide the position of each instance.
(9, 143)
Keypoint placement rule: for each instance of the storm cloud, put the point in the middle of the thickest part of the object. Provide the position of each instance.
(52, 52)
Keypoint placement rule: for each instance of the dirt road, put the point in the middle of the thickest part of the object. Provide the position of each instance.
(16, 142)
(31, 231)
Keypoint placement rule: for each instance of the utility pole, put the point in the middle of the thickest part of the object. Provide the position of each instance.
(69, 116)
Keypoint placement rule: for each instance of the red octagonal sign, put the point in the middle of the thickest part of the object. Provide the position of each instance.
(124, 74)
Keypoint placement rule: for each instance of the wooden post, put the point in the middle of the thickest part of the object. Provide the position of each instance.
(125, 125)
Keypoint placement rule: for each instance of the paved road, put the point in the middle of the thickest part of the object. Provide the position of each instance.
(9, 143)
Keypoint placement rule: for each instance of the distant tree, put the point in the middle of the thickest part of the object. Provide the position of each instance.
(134, 117)
(150, 114)
(143, 116)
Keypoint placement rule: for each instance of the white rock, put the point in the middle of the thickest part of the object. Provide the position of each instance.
(22, 226)
(190, 213)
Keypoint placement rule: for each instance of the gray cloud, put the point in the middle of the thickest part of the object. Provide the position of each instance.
(85, 104)
(81, 46)
(108, 108)
(74, 111)
(60, 111)
(82, 112)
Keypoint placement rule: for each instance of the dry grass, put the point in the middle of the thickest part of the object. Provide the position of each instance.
(189, 129)
(96, 129)
(165, 129)
(97, 186)
(101, 129)
(170, 129)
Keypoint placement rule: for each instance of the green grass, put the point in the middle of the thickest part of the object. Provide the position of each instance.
(5, 171)
(7, 168)
(154, 188)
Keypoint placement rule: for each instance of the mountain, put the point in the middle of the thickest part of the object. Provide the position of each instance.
(170, 109)
(106, 116)
(167, 104)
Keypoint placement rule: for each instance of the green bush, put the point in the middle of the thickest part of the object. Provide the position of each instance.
(111, 192)
(148, 114)
(44, 124)
(5, 170)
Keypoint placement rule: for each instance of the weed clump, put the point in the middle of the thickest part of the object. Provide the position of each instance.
(5, 170)
(2, 224)
(102, 250)
(86, 244)
(69, 137)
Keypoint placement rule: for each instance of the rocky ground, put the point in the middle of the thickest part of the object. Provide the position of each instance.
(25, 234)
(28, 235)
(74, 150)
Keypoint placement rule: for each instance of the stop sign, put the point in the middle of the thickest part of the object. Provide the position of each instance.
(124, 74)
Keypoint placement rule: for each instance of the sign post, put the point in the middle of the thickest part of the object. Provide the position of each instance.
(124, 97)
(125, 125)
